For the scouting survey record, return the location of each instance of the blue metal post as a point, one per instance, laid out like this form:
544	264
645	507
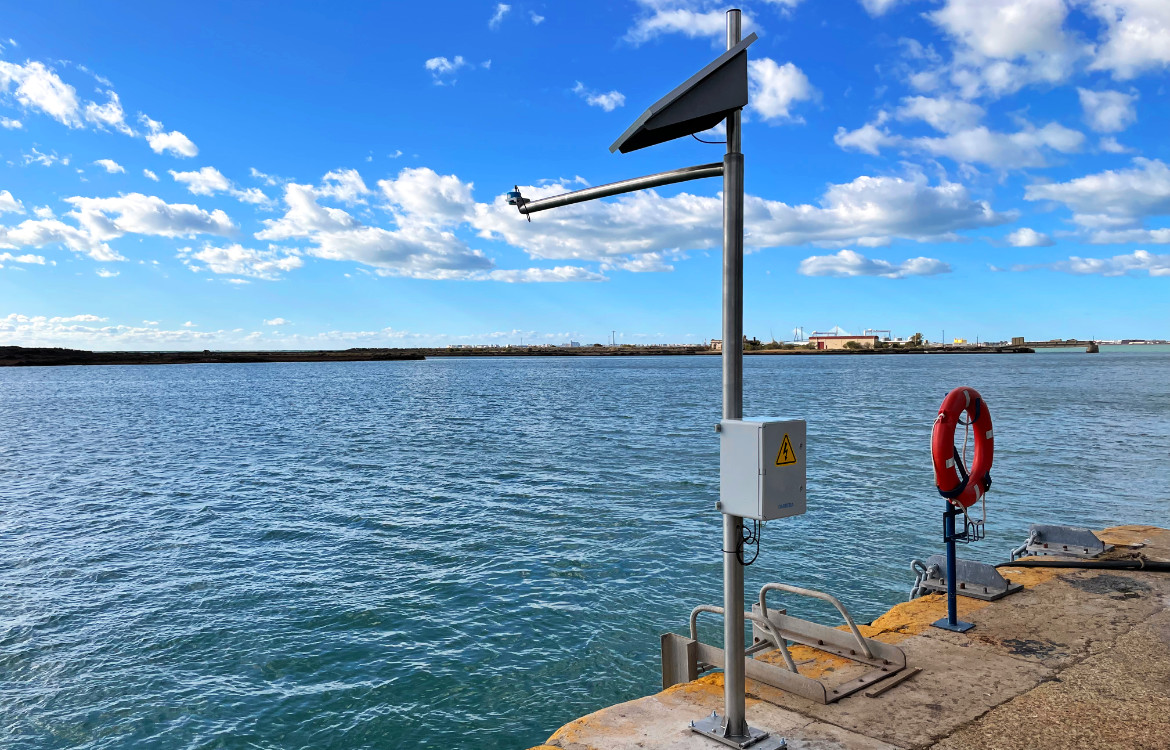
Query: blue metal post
952	621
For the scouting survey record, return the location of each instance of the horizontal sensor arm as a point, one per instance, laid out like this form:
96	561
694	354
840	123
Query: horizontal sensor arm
617	188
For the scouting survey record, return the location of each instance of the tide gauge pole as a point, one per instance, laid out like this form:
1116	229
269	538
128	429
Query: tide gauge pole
734	687
715	94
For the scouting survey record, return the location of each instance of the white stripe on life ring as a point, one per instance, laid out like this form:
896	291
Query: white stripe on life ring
989	434
950	463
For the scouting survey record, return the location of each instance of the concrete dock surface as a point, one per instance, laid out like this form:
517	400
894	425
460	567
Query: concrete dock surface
1079	659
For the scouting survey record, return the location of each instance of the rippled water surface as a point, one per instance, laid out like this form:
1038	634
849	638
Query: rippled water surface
471	552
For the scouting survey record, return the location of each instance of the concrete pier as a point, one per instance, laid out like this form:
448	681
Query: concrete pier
1079	659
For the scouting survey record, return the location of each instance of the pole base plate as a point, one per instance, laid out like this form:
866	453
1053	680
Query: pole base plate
958	627
756	739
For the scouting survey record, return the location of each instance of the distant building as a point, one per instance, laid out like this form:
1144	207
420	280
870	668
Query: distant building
825	341
1017	340
717	344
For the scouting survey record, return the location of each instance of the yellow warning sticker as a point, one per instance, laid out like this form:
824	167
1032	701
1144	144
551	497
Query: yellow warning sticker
786	456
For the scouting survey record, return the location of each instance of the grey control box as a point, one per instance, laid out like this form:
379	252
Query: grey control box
762	468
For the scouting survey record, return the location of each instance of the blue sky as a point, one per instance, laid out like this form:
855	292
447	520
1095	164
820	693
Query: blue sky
311	175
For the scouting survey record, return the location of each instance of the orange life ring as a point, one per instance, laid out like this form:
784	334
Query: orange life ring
950	475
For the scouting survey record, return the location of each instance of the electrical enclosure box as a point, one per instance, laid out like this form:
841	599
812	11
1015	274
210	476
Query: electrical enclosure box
762	468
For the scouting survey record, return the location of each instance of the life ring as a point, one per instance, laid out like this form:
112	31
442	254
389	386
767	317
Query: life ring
950	475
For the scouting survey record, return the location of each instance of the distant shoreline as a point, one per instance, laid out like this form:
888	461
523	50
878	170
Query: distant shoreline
16	356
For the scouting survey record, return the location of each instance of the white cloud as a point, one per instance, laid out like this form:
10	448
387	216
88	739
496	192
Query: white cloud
39	88
111	166
305	216
277	322
879	7
45	160
36	87
684	17
543	275
106	274
10	205
102	219
1025	148
775	87
252	195
93	332
944	114
109	114
976	145
236	260
150	175
190	324
80	331
655	262
1130	236
43	232
851	263
28	259
608	101
84	318
868	210
135	213
1025	237
1136	38
345	185
1108	111
267	179
1119	265
426	207
536	18
174	142
1002	46
498	17
442	68
1004	29
869	138
1113	199
1109	145
420	247
207	181
430	198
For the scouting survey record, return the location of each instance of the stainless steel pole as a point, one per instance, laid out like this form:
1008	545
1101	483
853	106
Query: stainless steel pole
735	718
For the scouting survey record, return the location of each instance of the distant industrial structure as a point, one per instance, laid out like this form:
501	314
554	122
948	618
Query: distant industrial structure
837	341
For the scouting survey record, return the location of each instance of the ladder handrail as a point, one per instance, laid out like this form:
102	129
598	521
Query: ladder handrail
861	644
780	643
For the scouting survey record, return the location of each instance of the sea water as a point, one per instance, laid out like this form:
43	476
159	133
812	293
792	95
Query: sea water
471	552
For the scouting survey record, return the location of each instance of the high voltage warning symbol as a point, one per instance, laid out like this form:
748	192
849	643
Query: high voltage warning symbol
785	457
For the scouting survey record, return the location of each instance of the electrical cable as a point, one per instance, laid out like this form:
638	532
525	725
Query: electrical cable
747	538
700	140
1141	564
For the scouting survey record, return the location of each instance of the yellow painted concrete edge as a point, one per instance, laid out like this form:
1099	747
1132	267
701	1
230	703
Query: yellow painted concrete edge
901	621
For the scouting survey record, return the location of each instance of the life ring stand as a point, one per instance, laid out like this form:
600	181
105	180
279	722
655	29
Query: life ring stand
959	486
